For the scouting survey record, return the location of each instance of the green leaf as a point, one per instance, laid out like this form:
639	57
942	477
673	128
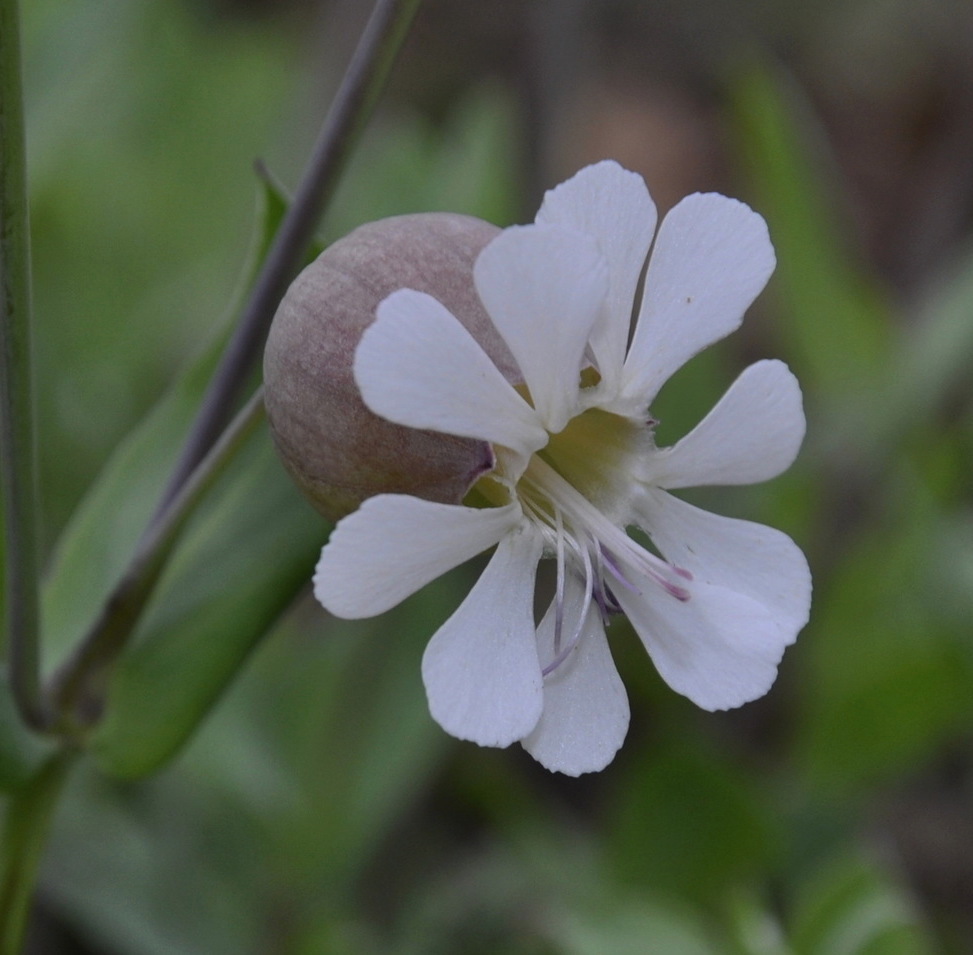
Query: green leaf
754	929
295	797
99	541
376	764
927	374
690	823
887	676
277	201
139	229
96	546
936	355
133	893
634	927
332	714
23	832
852	908
834	324
246	554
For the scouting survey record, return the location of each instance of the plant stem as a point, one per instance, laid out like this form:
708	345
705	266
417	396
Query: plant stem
76	693
24	833
359	91
18	454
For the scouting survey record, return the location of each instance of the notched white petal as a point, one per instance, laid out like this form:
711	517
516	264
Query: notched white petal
752	434
394	544
586	711
711	259
481	670
544	287
719	648
760	562
612	205
418	366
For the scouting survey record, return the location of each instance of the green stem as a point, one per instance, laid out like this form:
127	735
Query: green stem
25	828
18	455
77	691
360	89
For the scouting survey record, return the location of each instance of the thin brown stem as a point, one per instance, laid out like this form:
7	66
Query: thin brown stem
359	91
77	690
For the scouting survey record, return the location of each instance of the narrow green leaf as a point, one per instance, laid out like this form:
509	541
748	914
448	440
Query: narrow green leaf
22	839
245	561
377	763
634	928
329	713
101	537
246	554
852	908
937	354
359	90
277	200
883	634
753	928
99	541
116	871
834	324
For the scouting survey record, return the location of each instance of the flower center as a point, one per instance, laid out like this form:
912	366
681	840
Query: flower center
578	491
597	454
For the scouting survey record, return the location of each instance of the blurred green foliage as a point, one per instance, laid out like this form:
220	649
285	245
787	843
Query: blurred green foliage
318	809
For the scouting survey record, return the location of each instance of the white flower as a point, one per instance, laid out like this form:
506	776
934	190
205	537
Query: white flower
576	464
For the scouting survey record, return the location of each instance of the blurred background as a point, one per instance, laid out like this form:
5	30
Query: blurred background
319	809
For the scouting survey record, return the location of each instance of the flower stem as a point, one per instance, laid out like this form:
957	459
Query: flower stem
18	455
24	834
356	98
77	691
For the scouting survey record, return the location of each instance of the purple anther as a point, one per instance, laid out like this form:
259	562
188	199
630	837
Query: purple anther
674	590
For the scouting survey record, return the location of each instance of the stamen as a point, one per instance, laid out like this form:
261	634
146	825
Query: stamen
608	560
589	587
559	591
680	593
609	603
601	598
561	656
569	521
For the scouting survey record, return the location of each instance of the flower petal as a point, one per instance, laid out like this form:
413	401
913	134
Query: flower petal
394	544
760	562
586	710
752	434
718	648
613	205
711	259
418	366
481	671
544	287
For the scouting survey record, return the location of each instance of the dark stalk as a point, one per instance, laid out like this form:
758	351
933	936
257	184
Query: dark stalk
76	693
359	91
18	452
